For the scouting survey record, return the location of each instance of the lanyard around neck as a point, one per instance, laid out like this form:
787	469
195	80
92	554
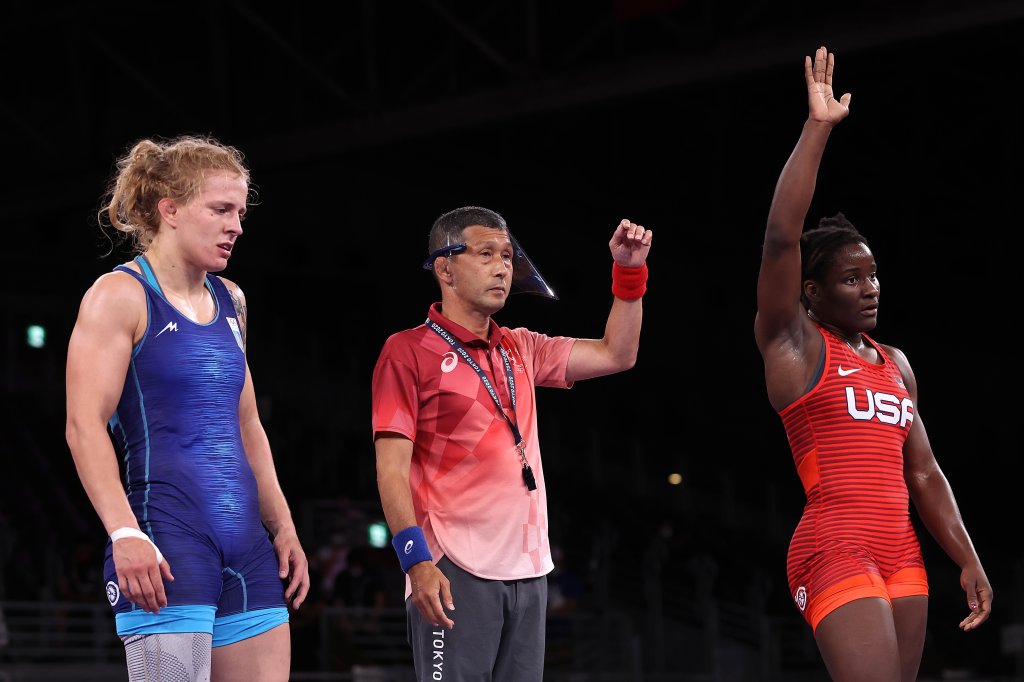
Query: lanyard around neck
510	377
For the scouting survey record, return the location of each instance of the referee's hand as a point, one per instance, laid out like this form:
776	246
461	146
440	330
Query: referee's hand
431	589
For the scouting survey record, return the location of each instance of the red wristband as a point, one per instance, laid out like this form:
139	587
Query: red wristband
629	284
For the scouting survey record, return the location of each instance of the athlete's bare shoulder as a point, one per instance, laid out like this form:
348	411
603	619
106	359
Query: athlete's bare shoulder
238	299
897	355
903	364
116	287
115	301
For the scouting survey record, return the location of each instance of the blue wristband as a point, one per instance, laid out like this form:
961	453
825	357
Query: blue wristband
411	547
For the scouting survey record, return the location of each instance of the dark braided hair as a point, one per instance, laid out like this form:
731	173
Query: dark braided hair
819	245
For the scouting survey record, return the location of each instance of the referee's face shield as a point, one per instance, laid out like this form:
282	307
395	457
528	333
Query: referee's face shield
525	276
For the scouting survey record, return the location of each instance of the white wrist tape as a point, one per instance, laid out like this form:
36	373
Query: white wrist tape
127	532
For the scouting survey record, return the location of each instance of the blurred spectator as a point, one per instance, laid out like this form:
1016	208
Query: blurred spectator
360	584
359	595
565	584
6	537
308	651
79	578
333	561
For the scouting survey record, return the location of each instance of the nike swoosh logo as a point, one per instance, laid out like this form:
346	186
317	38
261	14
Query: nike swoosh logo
848	372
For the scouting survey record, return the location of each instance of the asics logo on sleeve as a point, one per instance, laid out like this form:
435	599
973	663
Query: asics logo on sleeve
173	326
848	372
408	547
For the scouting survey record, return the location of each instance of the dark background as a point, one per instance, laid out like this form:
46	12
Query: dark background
363	122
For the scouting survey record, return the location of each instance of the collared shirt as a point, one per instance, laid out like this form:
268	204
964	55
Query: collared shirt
466	475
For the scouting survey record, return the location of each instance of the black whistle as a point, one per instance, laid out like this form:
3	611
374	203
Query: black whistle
531	483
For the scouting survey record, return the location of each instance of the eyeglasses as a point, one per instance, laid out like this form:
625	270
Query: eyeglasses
445	251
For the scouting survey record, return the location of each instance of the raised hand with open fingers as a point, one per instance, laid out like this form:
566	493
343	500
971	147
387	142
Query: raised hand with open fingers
821	101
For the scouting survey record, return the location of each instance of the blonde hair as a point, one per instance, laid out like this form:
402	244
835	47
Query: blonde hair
153	170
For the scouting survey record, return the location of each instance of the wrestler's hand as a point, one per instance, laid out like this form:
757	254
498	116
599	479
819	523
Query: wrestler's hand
821	102
630	244
979	596
430	588
139	576
292	566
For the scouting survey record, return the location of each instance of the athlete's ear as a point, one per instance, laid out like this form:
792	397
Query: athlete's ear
811	291
168	209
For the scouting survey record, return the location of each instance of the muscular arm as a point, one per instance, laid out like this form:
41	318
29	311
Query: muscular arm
616	351
274	511
934	501
781	328
111	314
779	312
98	355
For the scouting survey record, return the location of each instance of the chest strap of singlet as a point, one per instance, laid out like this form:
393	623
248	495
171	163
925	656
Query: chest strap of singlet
820	369
147	272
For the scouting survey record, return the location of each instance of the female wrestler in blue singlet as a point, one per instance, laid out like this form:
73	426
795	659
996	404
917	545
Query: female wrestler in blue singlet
157	355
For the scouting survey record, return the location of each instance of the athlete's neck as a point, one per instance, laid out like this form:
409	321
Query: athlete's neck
175	276
183	286
855	340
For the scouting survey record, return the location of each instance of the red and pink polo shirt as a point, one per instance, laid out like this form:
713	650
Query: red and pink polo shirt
466	474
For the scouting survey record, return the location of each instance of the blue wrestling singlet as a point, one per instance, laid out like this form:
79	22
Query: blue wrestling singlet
187	476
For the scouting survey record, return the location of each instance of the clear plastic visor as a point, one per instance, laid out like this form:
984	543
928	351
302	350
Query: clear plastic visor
525	276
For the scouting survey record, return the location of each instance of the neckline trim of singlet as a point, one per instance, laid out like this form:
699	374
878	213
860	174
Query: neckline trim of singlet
871	342
150	277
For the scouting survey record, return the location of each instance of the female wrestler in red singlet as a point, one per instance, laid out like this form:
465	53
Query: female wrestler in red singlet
859	445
